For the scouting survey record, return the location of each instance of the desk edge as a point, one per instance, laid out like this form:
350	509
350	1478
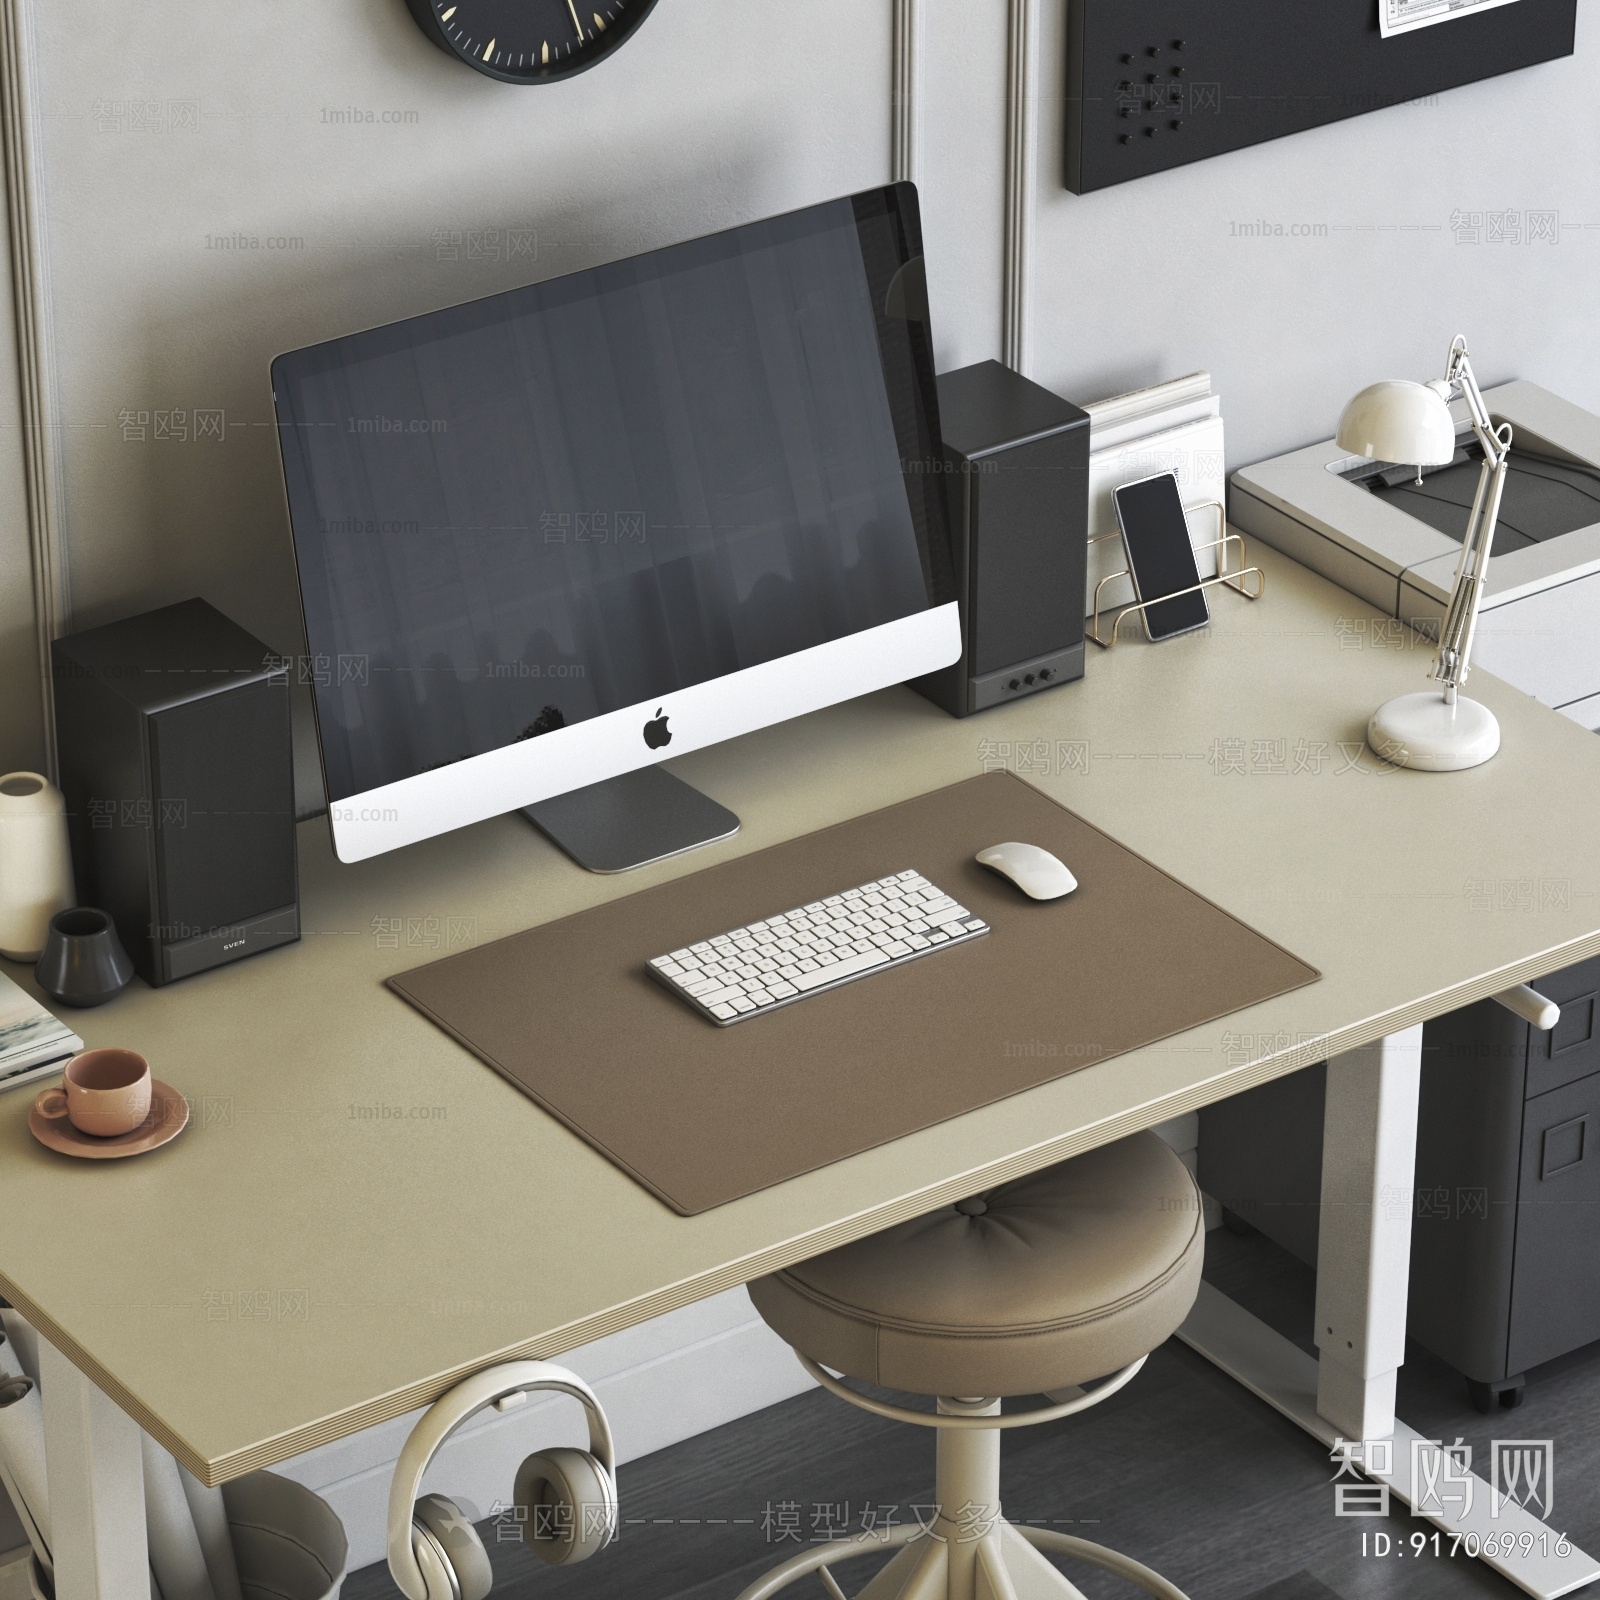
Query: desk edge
548	1346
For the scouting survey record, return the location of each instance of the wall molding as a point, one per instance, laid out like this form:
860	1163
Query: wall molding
30	287
903	91
1021	47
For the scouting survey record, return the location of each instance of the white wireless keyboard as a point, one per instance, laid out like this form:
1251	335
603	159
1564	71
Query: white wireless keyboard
769	964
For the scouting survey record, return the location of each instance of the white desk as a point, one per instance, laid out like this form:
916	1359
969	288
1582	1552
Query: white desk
1231	758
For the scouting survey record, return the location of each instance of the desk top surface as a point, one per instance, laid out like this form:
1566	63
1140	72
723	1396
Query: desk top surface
361	1212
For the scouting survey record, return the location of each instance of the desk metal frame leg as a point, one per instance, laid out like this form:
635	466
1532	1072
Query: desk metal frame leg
96	1481
1363	1271
1369	1161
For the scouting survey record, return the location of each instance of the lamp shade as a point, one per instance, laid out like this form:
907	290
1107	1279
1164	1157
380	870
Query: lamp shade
1399	421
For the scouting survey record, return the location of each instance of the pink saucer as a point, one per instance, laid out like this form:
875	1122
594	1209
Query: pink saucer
169	1115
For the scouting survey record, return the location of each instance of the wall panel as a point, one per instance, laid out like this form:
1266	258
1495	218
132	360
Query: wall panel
217	184
224	185
1302	270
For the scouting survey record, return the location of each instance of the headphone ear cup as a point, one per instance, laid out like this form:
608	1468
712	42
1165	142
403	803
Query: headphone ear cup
450	1527
568	1504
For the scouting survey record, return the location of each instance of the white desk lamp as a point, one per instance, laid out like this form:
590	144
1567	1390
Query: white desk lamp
1411	423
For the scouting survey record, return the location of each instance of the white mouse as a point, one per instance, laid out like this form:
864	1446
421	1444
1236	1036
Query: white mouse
1037	873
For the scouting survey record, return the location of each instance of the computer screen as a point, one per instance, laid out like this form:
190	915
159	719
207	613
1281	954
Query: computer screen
517	515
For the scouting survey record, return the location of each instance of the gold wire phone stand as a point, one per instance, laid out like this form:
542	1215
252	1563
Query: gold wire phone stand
1233	580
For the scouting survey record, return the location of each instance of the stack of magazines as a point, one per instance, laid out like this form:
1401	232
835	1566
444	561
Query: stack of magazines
33	1043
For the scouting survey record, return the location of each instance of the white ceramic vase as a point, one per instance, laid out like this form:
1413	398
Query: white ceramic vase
35	862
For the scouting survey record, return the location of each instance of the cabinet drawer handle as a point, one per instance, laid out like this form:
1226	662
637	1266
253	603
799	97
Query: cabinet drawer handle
1530	1005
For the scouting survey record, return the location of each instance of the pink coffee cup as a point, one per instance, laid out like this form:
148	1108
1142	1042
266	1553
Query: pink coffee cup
103	1092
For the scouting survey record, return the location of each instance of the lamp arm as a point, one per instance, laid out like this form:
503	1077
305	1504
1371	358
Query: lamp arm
1460	376
1448	663
1481	565
1453	662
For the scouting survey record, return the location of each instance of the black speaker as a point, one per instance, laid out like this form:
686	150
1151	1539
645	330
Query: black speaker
1016	463
173	735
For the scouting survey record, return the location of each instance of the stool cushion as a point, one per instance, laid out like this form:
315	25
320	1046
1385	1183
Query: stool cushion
1052	1280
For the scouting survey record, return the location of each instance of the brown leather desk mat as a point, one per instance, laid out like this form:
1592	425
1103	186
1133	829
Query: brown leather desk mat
701	1115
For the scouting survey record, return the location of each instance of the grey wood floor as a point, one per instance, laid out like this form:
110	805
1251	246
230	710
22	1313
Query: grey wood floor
1184	1470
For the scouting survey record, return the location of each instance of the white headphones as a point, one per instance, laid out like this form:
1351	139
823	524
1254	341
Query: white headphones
566	1499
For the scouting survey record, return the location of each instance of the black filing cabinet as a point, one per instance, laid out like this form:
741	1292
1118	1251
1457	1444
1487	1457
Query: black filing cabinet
1505	1243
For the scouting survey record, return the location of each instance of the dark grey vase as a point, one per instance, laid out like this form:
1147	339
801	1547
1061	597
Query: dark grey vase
83	963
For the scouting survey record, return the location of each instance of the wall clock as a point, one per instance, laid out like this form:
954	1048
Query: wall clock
529	41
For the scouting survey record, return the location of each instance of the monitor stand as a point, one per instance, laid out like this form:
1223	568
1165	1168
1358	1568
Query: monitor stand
631	821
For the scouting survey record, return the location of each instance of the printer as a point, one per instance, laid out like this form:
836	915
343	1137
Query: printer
1392	536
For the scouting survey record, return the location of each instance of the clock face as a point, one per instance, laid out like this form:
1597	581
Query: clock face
529	41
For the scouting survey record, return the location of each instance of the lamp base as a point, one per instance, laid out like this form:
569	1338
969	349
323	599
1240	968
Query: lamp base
1421	731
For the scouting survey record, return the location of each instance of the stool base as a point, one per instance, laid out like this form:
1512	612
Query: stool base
1004	1565
968	1552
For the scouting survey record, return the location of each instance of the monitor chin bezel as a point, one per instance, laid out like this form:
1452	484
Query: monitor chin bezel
496	782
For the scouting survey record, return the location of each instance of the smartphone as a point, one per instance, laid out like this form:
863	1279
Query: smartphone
1155	535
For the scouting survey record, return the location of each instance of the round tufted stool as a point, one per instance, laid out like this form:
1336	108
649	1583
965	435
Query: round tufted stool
1036	1287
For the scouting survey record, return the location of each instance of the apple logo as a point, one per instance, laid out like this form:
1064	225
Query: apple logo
656	732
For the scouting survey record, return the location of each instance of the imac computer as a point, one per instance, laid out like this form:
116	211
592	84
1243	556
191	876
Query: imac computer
548	539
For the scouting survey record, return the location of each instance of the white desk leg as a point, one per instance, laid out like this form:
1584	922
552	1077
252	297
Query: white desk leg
96	1479
1369	1160
1369	1154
